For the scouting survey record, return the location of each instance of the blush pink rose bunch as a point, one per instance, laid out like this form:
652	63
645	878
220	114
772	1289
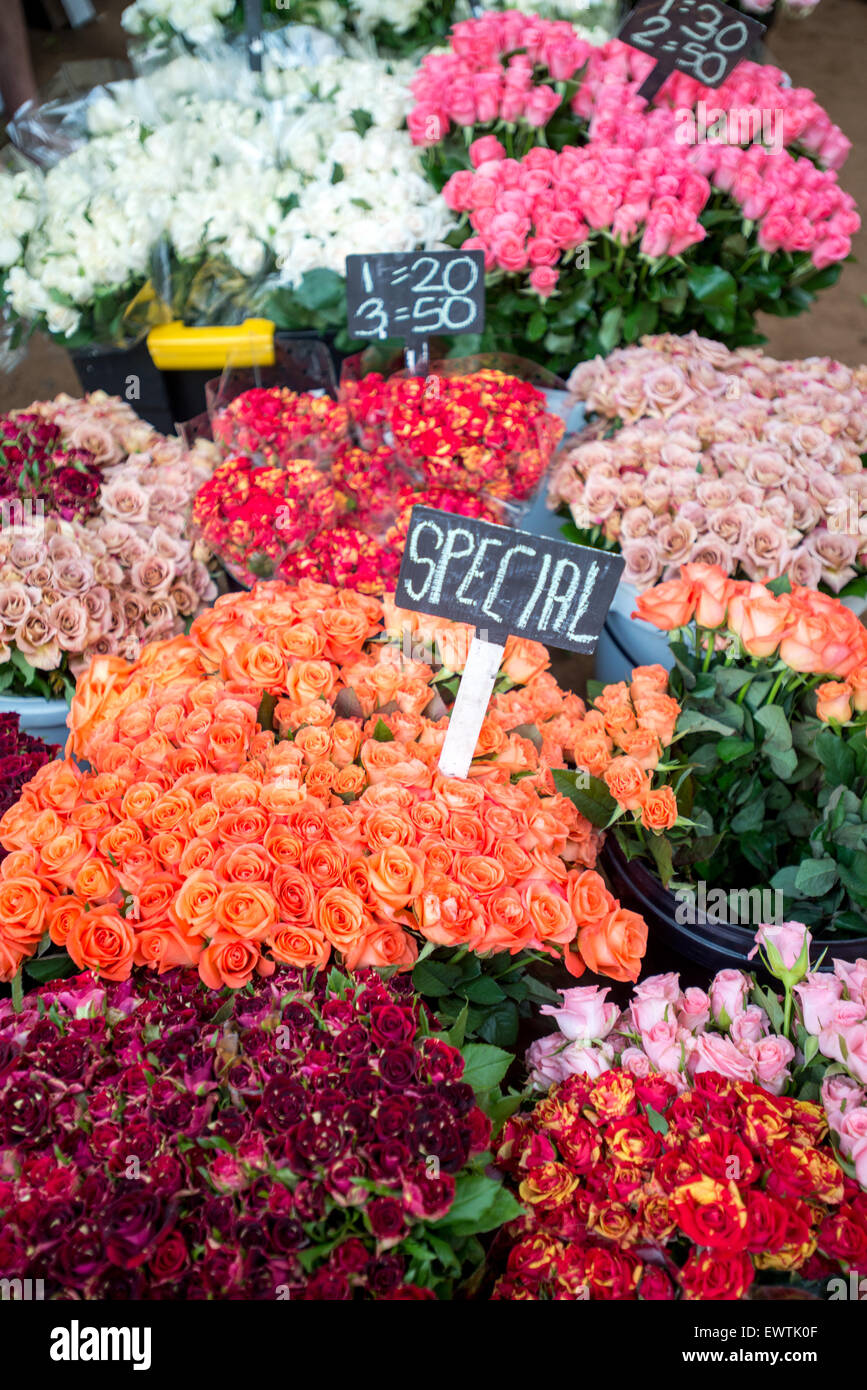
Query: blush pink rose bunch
71	590
723	458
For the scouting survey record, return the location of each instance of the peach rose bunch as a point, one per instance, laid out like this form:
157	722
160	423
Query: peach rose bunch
266	790
701	454
762	726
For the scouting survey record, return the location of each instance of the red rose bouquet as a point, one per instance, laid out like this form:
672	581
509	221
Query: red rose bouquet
323	490
300	1140
632	1190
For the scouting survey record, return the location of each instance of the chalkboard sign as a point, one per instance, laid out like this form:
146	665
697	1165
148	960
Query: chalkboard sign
415	295
704	38
506	581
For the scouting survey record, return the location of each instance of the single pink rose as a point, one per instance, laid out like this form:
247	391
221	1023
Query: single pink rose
817	993
832	1042
750	1026
693	1009
771	1057
666	1046
584	1014
728	996
714	1053
654	999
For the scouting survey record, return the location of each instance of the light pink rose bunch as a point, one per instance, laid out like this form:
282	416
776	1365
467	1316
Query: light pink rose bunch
722	457
737	1028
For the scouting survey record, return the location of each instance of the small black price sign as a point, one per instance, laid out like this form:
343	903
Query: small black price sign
253	30
704	38
504	582
415	295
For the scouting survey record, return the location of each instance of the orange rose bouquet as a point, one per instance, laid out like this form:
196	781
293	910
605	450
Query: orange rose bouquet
747	764
266	790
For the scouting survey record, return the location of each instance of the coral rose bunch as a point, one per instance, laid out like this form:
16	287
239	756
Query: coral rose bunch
766	771
302	1140
105	576
267	791
557	167
632	1189
323	490
699	454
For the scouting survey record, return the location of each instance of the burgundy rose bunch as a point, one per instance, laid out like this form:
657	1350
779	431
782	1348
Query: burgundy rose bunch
21	756
300	1140
633	1191
38	465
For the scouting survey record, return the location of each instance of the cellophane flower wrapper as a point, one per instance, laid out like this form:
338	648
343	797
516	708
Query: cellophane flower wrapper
461	441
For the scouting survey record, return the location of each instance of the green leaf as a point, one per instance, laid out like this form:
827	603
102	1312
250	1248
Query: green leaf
485	1066
811	1047
537	326
750	818
456	1034
783	585
609	328
382	733
435	977
594	801
692	721
481	1204
658	1123
484	990
320	289
778	733
731	748
44	968
717	293
836	757
500	1026
815	877
660	848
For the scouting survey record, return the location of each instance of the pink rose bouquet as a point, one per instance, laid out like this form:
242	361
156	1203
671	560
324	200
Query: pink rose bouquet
699	454
603	216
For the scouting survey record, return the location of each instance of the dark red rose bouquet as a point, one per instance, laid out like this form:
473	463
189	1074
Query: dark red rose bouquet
40	472
633	1191
301	1139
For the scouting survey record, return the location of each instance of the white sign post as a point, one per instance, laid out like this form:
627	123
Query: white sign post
470	707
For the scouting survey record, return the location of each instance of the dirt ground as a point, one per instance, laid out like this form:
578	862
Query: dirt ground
825	52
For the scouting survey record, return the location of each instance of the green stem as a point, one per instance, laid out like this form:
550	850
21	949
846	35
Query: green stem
18	990
787	1013
775	687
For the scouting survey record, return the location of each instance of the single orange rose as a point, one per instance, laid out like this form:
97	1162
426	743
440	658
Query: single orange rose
95	879
195	905
713	590
523	659
383	945
303	947
102	941
549	913
163	946
627	782
231	961
589	899
667	606
396	876
341	917
659	811
614	945
22	902
246	909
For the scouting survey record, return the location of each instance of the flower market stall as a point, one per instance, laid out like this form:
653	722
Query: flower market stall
356	944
